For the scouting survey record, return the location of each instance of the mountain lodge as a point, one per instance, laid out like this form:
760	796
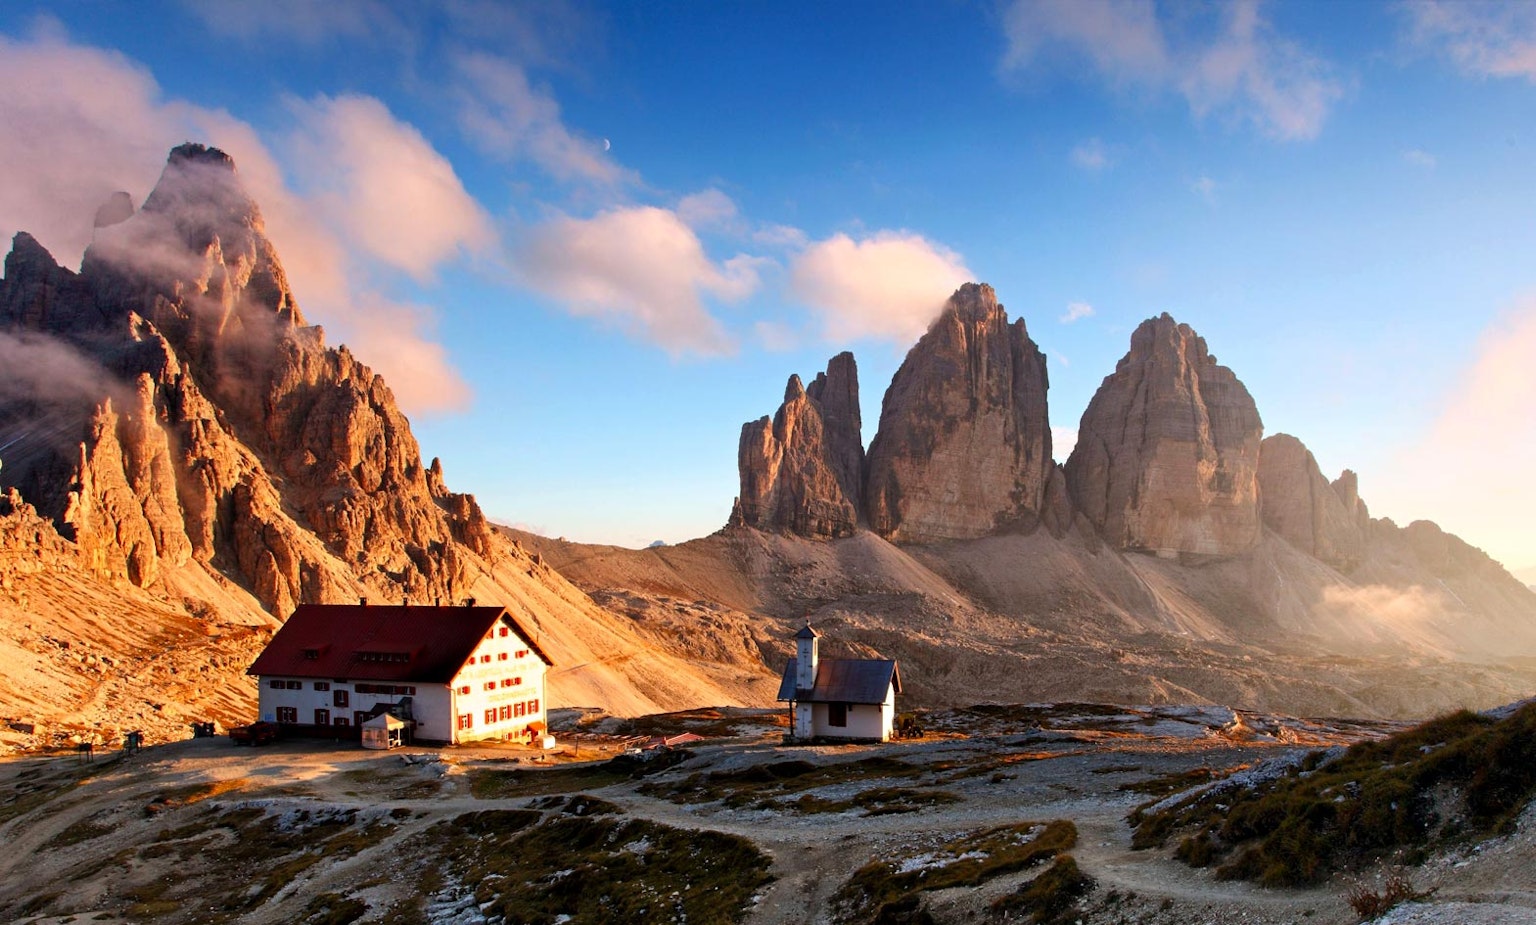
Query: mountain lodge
452	674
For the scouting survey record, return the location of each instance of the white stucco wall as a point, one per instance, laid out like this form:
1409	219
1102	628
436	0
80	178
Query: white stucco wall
865	720
436	708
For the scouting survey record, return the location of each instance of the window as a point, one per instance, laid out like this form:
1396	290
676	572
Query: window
501	656
322	717
311	654
341	721
294	685
340	698
503	631
466	721
287	714
275	684
359	717
490	717
485	659
504	713
506	682
533	707
521	709
322	685
837	714
464	689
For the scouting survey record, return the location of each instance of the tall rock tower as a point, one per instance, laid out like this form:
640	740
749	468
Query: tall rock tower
964	446
800	472
1167	453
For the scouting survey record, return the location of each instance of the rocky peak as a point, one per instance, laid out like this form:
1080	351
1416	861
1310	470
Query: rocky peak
1298	503
964	444
222	431
800	471
1168	450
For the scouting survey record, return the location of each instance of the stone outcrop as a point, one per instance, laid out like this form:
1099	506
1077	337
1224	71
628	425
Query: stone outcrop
964	445
1167	452
217	426
800	471
1298	503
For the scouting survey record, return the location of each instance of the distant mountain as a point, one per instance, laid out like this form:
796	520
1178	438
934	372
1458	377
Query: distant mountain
1177	554
185	460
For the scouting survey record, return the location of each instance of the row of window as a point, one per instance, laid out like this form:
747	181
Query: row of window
407	689
502	714
492	685
322	717
500	657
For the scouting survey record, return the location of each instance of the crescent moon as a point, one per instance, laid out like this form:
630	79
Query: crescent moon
606	145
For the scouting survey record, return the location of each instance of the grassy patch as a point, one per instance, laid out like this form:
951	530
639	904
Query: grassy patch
761	784
599	869
1050	898
1460	776
334	909
879	801
81	831
888	890
43	787
487	784
1174	782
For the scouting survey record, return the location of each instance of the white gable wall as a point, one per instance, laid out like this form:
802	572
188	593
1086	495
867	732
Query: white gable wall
498	692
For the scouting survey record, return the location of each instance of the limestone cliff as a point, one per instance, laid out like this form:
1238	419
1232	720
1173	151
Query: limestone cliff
1298	503
800	471
964	445
1167	452
212	393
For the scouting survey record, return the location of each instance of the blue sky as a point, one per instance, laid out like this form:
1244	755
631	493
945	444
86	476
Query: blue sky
585	243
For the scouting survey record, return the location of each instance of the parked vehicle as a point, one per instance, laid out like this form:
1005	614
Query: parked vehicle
259	733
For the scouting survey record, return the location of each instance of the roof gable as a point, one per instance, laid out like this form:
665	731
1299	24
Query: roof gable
843	680
382	642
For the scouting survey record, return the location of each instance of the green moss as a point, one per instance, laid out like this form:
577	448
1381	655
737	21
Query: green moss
884	888
1049	898
1376	801
600	869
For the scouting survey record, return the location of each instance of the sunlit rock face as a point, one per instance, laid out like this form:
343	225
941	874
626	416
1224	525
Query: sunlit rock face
1304	508
190	412
800	471
1167	452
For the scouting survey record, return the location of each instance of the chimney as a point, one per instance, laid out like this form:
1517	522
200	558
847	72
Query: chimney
469	602
362	602
805	657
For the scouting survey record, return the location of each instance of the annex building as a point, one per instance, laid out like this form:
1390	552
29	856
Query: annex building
839	698
452	674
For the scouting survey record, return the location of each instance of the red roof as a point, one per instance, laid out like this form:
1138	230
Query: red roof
372	642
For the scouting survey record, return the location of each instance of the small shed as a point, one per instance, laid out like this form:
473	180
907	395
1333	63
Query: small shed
383	731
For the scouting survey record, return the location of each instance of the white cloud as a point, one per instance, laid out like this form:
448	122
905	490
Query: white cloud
1485	429
642	267
890	284
83	122
503	113
775	337
782	236
302	20
708	210
1238	66
1486	39
1063	439
384	185
1091	155
1204	187
1076	311
1420	158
